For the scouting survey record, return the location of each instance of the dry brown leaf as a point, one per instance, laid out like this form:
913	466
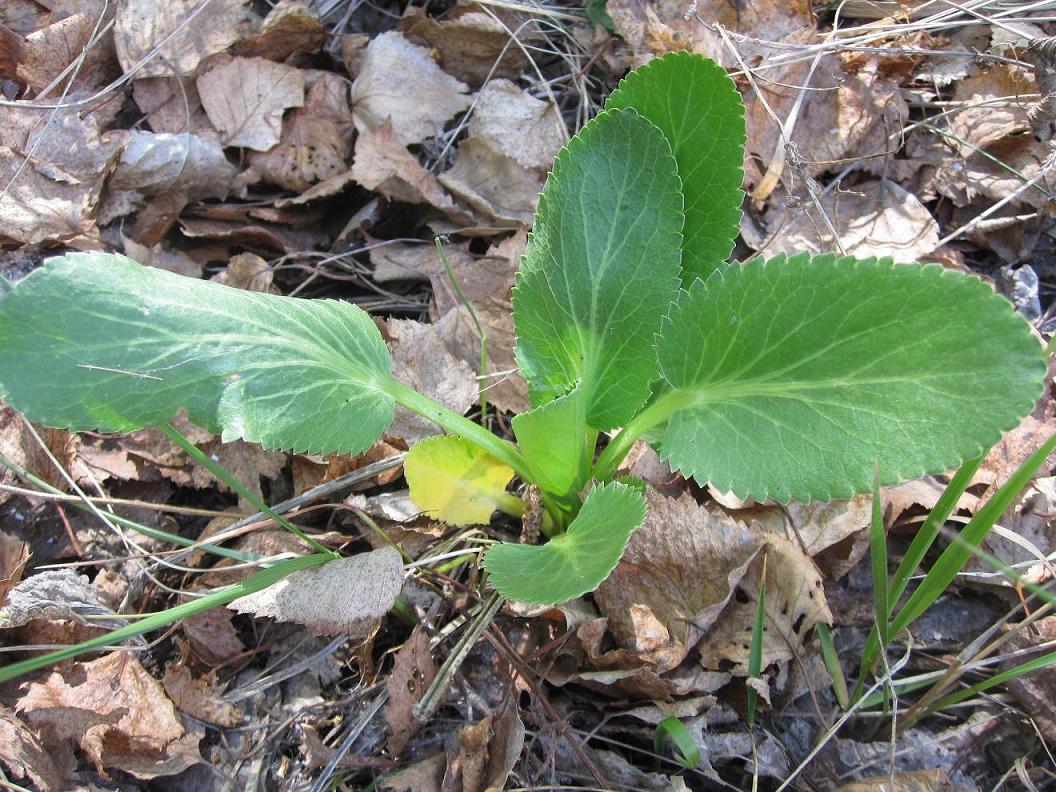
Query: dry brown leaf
140	733
246	97
993	107
421	360
24	756
425	775
471	44
795	602
383	164
494	184
316	139
402	262
348	595
162	257
199	697
196	30
657	602
50	50
212	636
400	83
412	673
18	444
248	271
877	218
162	163
514	123
14	554
12	51
171	104
1024	537
814	526
1036	692
289	28
937	780
1018	157
55	595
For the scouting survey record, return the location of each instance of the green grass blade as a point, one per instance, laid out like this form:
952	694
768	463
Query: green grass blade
1028	667
954	557
755	653
878	563
832	665
672	728
257	582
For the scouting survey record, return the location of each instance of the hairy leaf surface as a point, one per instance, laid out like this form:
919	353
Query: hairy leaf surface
574	562
455	481
698	109
793	377
600	268
552	438
96	341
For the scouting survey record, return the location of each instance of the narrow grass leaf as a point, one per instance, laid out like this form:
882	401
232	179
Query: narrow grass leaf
697	107
95	341
832	665
453	480
755	651
601	266
671	728
878	563
789	378
576	561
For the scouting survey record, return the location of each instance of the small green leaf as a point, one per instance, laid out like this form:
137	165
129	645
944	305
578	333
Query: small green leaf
600	268
697	107
96	341
790	378
574	562
671	728
455	481
552	439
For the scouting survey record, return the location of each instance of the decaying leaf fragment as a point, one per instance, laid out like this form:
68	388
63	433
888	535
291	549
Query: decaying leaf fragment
246	97
348	595
411	675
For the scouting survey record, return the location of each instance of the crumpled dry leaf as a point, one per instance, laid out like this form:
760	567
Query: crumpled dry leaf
399	82
795	602
171	104
18	444
412	673
316	138
348	595
978	175
918	781
14	554
487	751
656	600
136	727
157	164
1035	692
514	123
473	45
196	29
24	756
199	697
1025	536
248	271
991	107
289	28
421	360
47	53
494	184
425	775
816	526
246	97
55	595
877	218
162	257
212	636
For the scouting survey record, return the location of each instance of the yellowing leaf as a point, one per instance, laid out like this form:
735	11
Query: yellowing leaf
454	481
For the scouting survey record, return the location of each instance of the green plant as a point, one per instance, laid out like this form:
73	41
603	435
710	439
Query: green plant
794	377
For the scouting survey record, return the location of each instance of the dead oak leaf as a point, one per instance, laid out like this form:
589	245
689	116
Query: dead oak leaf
400	83
191	30
656	600
246	97
413	672
348	595
140	731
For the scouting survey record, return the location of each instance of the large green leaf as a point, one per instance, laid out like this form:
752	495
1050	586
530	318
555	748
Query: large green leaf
96	341
600	268
574	562
792	378
552	438
697	107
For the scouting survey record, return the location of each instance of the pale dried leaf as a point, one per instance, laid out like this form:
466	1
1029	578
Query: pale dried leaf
999	172
878	218
348	595
421	360
43	204
992	107
425	775
289	28
936	780
212	635
316	139
494	184
400	83
246	97
48	51
196	29
162	257
656	600
412	673
22	753
171	104
402	262
795	602
199	697
815	526
514	123
55	595
142	733
471	45
156	164
18	444
248	271
14	554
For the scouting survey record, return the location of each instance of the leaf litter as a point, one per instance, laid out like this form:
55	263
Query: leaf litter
302	151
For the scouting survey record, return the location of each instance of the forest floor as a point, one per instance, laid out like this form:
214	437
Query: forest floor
316	149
